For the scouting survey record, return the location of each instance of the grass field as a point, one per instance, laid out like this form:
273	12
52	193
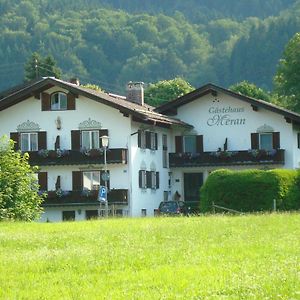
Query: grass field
214	257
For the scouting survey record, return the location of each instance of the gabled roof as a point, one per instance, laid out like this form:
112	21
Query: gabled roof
170	107
140	113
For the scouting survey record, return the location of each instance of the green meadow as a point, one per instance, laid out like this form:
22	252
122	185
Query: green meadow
209	257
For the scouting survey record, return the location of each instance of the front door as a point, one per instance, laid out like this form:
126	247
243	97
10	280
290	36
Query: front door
192	184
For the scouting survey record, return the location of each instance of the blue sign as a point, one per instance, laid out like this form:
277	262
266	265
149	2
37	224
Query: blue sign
102	194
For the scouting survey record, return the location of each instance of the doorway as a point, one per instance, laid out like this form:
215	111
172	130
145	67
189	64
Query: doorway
192	184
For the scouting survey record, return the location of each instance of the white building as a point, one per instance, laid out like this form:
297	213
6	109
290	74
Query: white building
152	154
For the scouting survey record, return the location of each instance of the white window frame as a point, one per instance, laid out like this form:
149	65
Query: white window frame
259	140
90	138
59	104
90	175
30	136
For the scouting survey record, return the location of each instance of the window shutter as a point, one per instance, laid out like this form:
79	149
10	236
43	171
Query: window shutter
46	105
199	143
178	144
148	179
148	139
77	180
156	141
157	180
276	140
70	101
102	182
139	138
75	140
140	179
42	140
15	136
43	181
254	141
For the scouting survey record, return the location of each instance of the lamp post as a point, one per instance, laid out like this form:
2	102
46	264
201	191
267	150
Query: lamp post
104	140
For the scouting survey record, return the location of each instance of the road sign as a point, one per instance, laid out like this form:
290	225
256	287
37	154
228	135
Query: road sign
102	194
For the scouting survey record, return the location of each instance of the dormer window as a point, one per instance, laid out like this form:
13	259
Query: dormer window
59	101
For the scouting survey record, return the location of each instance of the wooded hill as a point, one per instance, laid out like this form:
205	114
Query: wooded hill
110	42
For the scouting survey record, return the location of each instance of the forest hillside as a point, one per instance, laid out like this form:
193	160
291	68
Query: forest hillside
110	42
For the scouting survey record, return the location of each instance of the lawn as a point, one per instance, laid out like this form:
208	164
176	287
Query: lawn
211	257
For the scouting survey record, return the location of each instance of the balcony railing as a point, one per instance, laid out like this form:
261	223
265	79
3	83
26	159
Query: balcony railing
68	198
225	158
72	157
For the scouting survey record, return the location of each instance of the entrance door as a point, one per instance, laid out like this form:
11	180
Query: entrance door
192	184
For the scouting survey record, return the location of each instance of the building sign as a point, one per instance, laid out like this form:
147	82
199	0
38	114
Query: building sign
225	116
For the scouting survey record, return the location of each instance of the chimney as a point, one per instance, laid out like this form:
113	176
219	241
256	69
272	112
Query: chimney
75	80
135	92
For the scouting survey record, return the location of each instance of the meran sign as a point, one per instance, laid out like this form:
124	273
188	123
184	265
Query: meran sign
225	116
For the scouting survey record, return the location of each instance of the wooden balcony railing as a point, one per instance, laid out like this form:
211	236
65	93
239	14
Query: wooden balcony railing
72	157
68	198
225	158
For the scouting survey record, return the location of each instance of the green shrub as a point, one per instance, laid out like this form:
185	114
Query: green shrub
251	190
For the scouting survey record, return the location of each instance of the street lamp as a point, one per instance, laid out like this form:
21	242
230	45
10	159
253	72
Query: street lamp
104	140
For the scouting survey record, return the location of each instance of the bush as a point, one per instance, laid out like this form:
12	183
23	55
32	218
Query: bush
19	198
251	190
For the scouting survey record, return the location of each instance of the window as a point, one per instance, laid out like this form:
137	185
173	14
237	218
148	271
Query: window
90	139
29	141
144	212
298	140
68	215
91	214
189	144
147	140
142	139
58	101
91	180
165	150
166	195
266	141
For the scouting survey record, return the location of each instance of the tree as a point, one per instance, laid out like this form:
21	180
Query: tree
163	91
38	66
251	90
19	198
287	78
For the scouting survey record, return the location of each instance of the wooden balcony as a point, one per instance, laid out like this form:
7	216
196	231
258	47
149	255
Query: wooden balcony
227	158
81	198
72	157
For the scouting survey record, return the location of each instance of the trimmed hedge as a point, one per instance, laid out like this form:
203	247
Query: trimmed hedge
251	190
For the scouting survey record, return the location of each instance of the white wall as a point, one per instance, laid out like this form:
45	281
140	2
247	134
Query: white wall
147	198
